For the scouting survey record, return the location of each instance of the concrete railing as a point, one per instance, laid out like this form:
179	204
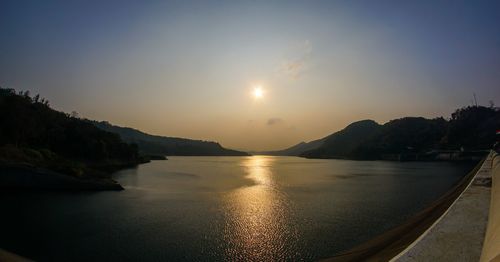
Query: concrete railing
491	246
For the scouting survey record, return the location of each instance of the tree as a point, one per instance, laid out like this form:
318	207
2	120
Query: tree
74	114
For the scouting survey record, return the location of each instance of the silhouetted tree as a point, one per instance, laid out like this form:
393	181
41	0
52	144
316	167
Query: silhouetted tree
27	123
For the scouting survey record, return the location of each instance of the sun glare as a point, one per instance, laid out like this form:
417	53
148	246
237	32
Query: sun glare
258	92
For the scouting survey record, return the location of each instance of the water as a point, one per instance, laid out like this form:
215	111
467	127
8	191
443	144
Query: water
259	208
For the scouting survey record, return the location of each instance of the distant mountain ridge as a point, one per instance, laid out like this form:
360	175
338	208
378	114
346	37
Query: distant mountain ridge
340	144
344	137
170	146
295	150
470	128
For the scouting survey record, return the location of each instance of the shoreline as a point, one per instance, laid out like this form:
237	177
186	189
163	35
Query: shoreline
387	245
23	177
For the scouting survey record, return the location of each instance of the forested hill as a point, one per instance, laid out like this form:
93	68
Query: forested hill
295	150
468	129
170	146
337	144
33	134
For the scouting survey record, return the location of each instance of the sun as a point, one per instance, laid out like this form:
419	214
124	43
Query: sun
258	92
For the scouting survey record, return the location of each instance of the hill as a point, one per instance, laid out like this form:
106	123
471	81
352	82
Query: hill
409	135
472	128
297	149
469	129
34	136
170	146
343	142
333	145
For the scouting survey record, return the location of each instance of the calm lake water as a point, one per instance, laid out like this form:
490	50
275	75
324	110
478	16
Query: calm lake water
258	208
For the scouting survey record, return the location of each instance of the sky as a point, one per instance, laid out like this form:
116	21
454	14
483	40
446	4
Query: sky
189	68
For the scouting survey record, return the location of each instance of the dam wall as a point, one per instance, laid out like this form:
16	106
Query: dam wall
491	246
459	234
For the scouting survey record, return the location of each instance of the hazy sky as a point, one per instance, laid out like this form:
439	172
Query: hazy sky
187	69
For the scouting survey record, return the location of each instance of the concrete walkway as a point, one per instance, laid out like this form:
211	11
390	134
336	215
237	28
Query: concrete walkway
458	235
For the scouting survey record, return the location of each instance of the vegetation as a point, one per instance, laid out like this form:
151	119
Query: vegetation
472	128
33	134
406	135
342	143
295	150
469	129
170	146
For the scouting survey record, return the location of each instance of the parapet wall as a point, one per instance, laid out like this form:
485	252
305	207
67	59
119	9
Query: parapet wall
491	246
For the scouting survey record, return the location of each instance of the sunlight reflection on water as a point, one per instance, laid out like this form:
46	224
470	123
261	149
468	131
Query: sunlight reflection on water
257	208
257	226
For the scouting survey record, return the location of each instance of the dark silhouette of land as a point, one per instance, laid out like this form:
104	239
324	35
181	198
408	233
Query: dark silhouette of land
465	136
170	146
46	149
37	143
297	149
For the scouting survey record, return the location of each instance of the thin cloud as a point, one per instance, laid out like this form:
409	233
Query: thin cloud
274	121
296	64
